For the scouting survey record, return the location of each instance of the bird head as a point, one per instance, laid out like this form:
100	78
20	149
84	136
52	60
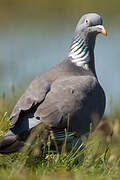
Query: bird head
88	27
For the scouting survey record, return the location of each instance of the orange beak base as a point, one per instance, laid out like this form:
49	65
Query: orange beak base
102	30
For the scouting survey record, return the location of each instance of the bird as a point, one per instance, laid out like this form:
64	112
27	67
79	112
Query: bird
68	97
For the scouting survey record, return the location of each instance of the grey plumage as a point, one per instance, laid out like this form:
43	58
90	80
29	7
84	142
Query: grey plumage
68	88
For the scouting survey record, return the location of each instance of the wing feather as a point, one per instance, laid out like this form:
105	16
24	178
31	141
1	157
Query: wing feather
34	95
66	96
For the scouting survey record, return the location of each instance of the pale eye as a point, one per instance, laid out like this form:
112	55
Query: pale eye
87	21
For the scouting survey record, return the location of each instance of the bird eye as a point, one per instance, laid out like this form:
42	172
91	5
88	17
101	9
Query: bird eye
87	21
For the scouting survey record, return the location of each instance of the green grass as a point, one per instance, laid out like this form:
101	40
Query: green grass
101	155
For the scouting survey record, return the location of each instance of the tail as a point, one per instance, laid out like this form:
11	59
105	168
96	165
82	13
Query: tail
15	139
12	143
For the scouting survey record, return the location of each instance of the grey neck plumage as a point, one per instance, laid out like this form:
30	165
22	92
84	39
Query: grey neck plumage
79	53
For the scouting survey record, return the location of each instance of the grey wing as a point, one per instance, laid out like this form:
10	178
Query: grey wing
66	96
33	96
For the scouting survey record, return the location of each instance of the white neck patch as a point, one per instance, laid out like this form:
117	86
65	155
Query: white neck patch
79	53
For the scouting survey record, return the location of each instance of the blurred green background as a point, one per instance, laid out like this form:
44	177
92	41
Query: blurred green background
36	34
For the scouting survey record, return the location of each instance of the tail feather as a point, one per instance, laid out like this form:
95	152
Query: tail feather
16	138
12	143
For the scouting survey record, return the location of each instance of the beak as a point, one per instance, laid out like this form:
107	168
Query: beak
101	29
